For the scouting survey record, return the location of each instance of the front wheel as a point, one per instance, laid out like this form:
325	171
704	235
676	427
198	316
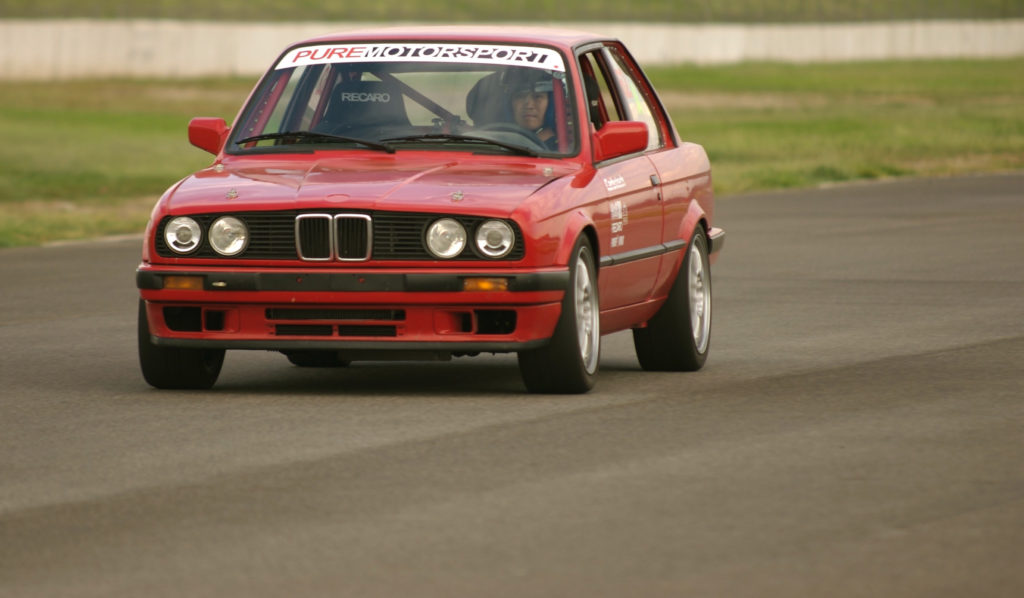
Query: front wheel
176	367
568	363
678	337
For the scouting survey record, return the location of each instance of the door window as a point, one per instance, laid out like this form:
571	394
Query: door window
602	103
634	98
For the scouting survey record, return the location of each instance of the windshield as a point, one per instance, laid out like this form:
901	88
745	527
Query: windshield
388	96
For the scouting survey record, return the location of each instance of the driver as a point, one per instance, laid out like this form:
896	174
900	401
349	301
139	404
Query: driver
530	94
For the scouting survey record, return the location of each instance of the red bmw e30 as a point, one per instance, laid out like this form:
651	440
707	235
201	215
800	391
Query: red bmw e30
436	192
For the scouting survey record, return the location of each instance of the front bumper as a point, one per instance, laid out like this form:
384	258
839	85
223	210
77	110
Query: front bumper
354	311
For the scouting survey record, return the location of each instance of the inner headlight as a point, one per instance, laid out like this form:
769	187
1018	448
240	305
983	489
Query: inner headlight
446	238
228	235
495	238
183	234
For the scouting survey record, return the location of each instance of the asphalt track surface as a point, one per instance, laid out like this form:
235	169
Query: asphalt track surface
858	431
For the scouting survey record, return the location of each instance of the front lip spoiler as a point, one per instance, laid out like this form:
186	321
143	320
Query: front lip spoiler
295	282
383	346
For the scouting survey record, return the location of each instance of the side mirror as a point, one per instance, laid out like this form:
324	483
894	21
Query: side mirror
618	138
208	133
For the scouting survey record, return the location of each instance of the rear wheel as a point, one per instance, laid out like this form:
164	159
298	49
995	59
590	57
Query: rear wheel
176	367
568	363
678	337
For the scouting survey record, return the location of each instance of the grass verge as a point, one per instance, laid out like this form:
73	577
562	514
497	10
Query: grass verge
746	11
771	126
89	158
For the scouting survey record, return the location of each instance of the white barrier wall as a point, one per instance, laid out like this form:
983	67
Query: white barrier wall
74	48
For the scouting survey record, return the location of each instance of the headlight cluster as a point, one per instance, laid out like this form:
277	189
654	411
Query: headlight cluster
228	235
446	238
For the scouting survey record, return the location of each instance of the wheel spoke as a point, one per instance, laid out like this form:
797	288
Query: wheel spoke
700	299
586	316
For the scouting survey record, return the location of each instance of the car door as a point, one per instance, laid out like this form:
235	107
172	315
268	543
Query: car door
681	168
630	226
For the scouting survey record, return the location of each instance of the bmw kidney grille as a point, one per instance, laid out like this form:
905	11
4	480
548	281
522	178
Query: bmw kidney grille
326	237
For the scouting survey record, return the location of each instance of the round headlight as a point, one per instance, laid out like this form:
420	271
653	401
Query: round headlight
495	238
446	238
228	235
183	234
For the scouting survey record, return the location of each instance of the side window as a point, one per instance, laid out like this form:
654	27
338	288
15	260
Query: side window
602	103
277	118
637	103
305	88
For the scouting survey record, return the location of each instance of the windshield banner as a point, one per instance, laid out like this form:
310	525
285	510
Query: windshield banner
528	56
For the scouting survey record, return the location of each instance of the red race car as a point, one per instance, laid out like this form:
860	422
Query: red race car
436	192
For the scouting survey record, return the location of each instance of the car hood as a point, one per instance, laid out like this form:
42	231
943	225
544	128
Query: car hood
364	183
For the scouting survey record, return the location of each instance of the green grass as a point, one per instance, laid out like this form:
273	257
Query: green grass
90	158
758	11
769	126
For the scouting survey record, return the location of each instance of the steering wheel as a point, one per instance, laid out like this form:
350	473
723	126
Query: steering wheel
505	127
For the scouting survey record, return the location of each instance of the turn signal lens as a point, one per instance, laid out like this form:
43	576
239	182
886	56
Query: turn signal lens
485	284
183	283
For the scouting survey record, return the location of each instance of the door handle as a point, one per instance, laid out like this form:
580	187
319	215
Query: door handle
656	183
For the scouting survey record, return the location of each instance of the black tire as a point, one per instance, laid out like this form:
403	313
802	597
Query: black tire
568	364
678	337
315	359
175	367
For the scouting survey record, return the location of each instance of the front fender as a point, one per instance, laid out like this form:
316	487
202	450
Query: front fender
694	215
577	223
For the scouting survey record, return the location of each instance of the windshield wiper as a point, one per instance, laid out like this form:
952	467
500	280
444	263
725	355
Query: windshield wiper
313	136
450	138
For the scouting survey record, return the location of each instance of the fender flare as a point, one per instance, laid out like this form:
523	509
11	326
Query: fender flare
578	223
695	215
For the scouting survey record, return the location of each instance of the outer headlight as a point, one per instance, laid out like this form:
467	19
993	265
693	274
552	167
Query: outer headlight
228	235
446	238
495	238
183	234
